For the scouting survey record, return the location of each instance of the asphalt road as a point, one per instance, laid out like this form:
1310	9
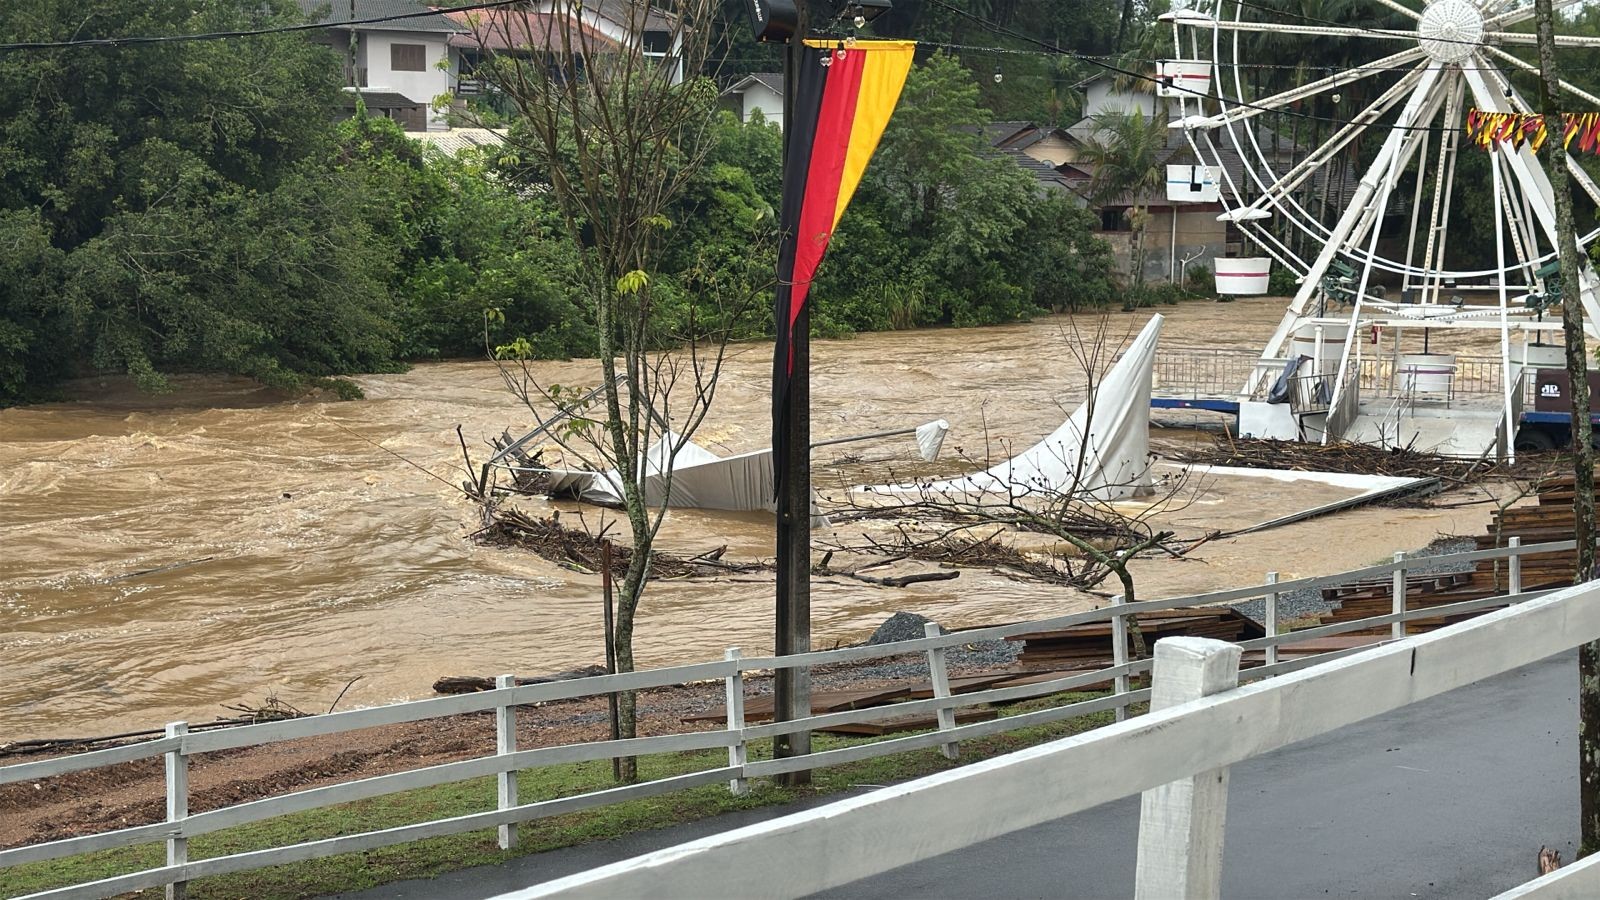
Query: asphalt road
1451	797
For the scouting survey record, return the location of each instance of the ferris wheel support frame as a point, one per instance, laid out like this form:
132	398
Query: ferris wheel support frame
1354	211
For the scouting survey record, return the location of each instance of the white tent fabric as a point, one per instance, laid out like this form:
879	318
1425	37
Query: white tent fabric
930	438
1101	450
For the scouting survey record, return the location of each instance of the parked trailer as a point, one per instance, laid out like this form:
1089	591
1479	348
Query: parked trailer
1549	424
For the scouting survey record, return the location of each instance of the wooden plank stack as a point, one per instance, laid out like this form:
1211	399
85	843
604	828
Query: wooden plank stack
1088	646
1550	518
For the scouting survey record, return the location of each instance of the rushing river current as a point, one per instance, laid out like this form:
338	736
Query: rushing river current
163	556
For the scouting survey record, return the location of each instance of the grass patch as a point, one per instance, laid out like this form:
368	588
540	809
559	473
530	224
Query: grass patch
427	858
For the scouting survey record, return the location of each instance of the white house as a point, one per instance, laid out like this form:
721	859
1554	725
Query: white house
400	65
761	92
628	23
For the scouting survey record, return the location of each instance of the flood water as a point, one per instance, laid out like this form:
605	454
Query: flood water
292	554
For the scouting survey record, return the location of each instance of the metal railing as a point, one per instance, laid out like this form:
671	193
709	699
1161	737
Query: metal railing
1195	372
1177	757
178	745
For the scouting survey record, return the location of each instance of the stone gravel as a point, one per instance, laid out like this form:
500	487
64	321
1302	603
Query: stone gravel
1307	603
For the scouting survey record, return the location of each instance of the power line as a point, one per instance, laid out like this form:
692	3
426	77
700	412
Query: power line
141	40
1140	76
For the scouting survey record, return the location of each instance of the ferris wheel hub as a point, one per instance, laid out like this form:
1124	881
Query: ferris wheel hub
1450	30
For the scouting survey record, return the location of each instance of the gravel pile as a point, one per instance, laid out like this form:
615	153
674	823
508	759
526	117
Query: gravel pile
1306	603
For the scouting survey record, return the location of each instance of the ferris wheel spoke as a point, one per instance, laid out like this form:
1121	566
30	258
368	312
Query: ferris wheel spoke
1384	34
1531	177
1521	104
1529	40
1350	131
1526	66
1400	8
1284	98
1523	14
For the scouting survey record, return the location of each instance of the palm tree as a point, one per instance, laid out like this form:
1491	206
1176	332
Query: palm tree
1125	151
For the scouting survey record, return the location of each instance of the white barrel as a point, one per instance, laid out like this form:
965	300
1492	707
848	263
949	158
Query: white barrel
1242	275
1193	184
1426	373
1183	78
1304	343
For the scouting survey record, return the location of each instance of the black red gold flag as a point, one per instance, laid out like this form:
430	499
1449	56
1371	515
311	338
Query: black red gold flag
838	116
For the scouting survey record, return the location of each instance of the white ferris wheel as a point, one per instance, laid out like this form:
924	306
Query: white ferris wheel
1422	83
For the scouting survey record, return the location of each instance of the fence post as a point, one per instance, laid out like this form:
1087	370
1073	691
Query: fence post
1398	629
940	676
1514	566
505	739
1271	615
1181	823
177	807
736	752
1119	653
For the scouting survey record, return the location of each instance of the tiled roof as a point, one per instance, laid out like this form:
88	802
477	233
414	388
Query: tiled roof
335	12
458	139
509	29
773	81
378	100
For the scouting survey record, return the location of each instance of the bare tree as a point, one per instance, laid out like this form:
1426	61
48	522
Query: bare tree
613	107
1081	511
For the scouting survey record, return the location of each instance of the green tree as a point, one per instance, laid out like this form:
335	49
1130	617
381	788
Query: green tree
183	190
1124	151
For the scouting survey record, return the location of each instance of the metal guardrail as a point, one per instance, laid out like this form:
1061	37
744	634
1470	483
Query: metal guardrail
1195	372
177	746
1177	756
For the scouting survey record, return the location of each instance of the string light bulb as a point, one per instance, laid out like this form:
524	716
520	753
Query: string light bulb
998	75
827	60
860	20
1336	97
840	52
850	41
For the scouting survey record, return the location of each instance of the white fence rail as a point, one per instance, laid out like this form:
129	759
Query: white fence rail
1164	755
178	744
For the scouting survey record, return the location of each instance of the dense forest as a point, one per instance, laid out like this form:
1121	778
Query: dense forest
194	206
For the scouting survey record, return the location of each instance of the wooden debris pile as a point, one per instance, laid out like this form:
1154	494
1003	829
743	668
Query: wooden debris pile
523	479
580	551
1342	457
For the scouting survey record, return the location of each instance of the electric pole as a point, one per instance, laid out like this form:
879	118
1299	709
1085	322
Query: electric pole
792	687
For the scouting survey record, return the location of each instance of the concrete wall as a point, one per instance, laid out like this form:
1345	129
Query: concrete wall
1198	232
419	86
1054	150
757	96
1100	97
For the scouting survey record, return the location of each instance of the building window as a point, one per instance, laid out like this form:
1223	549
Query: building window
408	57
657	42
1114	219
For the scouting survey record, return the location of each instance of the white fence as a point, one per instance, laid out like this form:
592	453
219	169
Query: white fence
178	745
1177	756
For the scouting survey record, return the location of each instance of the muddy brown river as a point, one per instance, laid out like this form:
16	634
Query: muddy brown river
163	556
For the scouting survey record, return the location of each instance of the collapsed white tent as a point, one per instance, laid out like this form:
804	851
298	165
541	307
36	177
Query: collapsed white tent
1102	450
703	480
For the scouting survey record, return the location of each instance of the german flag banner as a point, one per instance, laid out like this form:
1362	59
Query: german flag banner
839	113
1485	129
